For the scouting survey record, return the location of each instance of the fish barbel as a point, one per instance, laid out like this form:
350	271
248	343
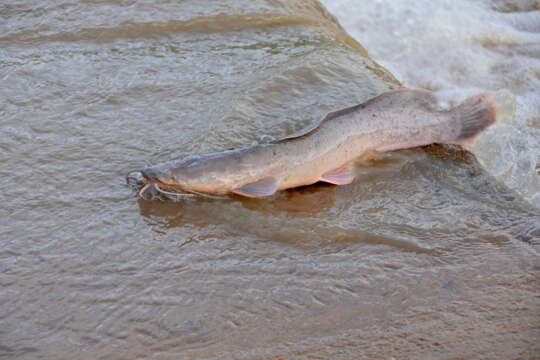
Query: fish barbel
396	119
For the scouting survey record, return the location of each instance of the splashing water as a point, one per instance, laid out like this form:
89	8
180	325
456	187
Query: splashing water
459	48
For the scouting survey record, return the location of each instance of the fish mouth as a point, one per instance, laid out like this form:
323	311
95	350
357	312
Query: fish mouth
155	186
152	181
150	176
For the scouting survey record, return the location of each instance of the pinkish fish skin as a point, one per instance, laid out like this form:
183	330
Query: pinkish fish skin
394	120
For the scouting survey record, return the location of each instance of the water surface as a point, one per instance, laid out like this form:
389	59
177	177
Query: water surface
426	255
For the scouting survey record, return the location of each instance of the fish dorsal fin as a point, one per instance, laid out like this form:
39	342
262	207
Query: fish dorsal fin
265	139
341	176
312	127
301	132
385	99
264	187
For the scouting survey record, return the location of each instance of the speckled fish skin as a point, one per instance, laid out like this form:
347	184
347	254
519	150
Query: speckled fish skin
394	120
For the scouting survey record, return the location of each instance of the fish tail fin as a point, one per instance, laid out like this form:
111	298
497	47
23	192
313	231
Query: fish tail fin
474	115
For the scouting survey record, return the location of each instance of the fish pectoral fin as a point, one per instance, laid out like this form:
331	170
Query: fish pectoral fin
341	176
264	187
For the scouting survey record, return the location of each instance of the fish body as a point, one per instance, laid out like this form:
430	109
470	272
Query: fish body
394	120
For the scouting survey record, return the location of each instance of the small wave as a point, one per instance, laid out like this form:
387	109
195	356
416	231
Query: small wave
202	25
129	29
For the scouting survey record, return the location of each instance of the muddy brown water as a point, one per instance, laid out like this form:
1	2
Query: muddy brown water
425	256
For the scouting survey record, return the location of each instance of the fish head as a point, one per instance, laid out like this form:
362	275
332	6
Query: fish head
163	174
190	174
215	173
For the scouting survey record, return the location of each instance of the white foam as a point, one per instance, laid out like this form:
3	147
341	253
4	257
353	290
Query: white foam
459	48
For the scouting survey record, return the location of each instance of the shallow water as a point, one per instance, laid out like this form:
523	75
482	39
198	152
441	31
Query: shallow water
426	255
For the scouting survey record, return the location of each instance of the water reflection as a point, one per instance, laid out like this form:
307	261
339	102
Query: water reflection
423	200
